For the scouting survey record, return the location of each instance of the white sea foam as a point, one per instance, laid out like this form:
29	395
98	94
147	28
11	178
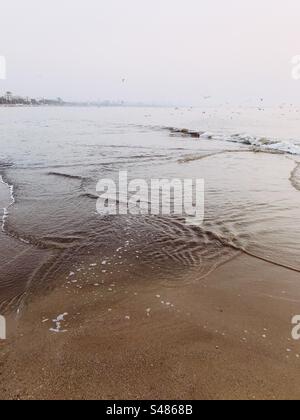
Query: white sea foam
260	143
58	321
12	202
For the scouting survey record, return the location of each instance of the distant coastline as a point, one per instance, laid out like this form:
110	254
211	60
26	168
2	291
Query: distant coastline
11	100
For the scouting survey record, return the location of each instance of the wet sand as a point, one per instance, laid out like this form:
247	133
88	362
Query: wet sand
227	336
177	310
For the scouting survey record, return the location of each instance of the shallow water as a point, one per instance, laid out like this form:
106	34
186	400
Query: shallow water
52	158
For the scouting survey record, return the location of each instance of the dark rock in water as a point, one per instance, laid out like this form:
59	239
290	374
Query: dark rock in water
195	135
186	133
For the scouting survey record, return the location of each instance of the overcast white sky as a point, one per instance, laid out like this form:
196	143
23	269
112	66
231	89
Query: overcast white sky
171	51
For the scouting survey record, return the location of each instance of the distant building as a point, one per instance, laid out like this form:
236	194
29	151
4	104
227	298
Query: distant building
9	99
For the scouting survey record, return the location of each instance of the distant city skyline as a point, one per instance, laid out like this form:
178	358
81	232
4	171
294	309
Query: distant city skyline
10	98
170	52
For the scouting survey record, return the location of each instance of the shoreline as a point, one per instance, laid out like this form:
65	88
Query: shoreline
149	341
146	308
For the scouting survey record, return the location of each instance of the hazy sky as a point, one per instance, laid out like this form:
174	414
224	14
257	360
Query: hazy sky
170	51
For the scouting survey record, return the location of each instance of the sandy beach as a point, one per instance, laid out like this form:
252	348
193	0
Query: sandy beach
228	337
148	306
149	203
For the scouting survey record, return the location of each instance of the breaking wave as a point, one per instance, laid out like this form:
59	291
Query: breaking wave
256	143
12	202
